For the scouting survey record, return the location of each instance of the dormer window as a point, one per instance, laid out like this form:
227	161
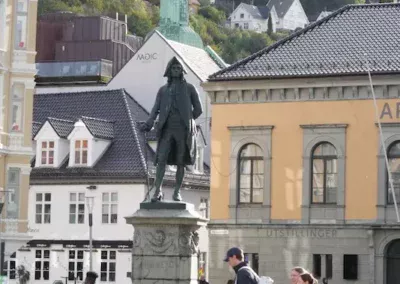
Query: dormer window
89	140
81	152
47	153
51	143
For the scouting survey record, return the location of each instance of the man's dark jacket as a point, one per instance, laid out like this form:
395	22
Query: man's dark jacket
245	275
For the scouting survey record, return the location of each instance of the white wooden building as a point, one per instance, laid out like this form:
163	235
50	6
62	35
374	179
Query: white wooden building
290	14
88	144
254	18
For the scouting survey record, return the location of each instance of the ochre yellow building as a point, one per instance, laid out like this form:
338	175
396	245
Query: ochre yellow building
17	71
298	174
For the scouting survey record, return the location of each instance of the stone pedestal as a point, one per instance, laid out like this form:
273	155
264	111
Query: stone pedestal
165	243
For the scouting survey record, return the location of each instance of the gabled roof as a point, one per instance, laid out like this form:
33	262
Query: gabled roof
257	12
111	114
35	128
99	128
123	159
333	46
197	59
281	6
62	127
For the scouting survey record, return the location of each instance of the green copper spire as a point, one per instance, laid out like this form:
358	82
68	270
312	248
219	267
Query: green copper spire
174	23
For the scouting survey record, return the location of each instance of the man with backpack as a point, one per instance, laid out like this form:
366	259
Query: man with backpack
244	273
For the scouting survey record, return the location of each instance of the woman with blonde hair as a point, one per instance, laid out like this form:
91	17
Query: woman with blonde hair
295	274
307	278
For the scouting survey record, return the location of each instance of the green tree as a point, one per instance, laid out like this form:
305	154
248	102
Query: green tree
212	14
49	6
270	28
23	275
204	3
139	23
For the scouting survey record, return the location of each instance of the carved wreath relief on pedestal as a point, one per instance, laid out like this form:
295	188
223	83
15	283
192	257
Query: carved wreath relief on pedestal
159	241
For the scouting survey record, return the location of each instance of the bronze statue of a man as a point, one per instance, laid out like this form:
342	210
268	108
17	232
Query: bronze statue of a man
177	106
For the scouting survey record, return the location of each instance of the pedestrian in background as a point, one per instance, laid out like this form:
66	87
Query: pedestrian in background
295	274
244	273
307	278
91	277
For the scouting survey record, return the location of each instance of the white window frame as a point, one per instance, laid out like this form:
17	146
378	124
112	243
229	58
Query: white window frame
42	259
80	150
204	207
246	26
202	263
2	97
79	202
18	101
72	273
198	166
43	203
3	24
7	268
13	186
47	150
106	208
23	14
108	261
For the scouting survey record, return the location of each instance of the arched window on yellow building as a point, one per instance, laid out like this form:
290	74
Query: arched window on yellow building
394	168
251	174
324	174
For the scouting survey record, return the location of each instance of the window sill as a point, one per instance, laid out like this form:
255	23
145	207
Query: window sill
323	205
249	205
79	166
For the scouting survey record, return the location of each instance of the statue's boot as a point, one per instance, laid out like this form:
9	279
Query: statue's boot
177	196
158	196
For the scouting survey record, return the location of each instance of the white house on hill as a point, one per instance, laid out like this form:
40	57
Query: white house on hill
254	18
143	74
290	14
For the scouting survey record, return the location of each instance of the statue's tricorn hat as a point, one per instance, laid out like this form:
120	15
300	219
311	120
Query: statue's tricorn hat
173	61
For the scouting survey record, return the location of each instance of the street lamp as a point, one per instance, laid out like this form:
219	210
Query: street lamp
89	204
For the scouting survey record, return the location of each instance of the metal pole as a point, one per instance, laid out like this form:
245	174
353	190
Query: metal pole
91	241
89	203
383	142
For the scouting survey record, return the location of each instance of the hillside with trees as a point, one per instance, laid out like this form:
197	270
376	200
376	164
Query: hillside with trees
143	17
230	44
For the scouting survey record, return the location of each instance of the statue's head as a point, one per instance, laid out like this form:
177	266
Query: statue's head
175	69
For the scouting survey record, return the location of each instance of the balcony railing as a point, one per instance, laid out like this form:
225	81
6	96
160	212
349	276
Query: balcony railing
16	141
14	228
76	69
